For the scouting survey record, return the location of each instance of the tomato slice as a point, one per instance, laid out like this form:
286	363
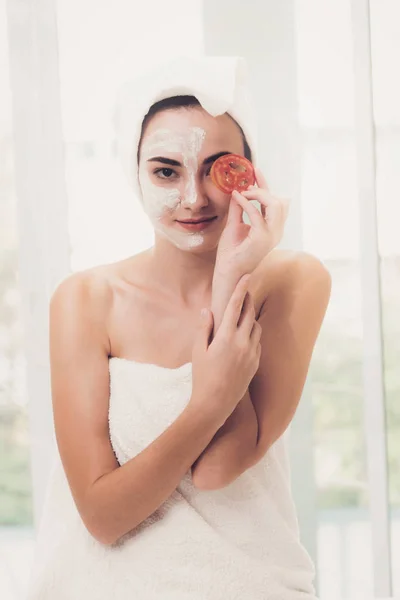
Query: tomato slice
232	172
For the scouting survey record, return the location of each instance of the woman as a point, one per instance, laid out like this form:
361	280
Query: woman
174	479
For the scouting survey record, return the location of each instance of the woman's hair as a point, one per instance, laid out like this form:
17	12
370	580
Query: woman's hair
179	102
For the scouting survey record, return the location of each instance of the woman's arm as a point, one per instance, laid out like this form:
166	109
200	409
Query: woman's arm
291	319
225	457
111	499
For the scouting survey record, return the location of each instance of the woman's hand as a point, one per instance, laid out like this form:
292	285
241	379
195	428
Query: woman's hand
224	367
242	247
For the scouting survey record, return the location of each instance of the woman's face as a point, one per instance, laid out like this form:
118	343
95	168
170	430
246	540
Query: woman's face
177	150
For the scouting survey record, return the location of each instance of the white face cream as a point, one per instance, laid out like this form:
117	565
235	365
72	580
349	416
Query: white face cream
159	200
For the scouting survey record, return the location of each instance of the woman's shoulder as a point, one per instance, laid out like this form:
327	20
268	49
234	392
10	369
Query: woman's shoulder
283	266
87	283
100	281
88	291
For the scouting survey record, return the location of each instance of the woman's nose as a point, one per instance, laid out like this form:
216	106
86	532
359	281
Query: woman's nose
194	195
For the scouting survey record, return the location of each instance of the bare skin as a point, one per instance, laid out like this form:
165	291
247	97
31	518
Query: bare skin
137	303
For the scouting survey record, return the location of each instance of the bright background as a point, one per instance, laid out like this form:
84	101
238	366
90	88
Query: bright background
64	206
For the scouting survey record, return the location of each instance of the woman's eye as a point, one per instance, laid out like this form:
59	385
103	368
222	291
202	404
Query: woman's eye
166	173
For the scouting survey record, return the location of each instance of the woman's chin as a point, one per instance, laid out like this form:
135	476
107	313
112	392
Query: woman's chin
196	242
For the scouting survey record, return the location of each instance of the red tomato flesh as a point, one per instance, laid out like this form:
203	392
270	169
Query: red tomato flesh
232	172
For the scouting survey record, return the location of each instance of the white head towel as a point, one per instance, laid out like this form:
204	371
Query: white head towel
220	84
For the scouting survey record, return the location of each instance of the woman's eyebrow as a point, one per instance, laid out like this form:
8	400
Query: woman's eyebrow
166	161
176	163
213	157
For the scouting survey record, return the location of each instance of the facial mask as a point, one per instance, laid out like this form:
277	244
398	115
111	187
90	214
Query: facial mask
161	201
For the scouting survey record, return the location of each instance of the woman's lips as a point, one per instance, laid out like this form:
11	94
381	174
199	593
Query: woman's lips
197	226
